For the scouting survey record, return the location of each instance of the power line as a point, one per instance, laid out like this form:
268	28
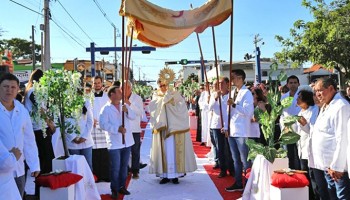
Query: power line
67	33
74	21
103	13
26	7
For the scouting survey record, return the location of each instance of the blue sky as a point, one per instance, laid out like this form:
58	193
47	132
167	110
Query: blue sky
264	17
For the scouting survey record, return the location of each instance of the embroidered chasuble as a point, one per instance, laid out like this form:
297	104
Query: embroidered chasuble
170	121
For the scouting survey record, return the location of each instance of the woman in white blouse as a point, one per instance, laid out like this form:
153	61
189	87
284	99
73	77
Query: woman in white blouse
81	144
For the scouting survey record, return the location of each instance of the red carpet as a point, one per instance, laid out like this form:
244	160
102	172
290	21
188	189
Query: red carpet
220	183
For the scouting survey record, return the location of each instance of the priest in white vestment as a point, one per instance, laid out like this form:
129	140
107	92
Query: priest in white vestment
204	106
172	152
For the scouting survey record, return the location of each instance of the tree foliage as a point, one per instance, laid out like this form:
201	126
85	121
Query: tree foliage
325	41
189	87
21	49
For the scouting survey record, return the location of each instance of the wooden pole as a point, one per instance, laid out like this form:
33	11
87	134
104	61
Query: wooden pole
202	63
231	63
129	59
217	74
123	72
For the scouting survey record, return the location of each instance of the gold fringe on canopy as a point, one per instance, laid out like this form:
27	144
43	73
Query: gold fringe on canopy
160	27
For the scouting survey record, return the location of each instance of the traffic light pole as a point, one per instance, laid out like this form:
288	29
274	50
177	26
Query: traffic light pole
94	49
257	60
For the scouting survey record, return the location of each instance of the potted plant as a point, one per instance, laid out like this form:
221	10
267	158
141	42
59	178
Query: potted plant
59	96
267	121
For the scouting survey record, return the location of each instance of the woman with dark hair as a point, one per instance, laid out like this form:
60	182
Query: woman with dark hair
259	103
308	111
46	153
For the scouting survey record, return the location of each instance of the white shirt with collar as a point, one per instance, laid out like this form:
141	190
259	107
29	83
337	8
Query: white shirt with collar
86	124
292	110
329	137
16	130
214	105
137	106
8	162
110	120
241	115
304	131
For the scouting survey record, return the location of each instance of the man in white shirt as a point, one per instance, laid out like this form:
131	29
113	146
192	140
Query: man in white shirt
219	123
242	110
8	162
293	110
100	158
16	129
136	104
119	138
329	142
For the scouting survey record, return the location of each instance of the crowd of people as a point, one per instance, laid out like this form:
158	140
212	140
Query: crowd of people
323	127
110	133
23	143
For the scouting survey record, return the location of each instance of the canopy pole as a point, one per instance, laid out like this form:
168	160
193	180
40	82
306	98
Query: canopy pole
231	63
130	47
217	74
123	73
202	63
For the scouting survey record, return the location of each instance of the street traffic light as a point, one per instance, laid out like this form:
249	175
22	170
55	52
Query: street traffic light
183	61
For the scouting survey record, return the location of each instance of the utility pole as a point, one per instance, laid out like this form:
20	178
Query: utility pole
139	74
257	59
115	53
42	50
47	17
33	48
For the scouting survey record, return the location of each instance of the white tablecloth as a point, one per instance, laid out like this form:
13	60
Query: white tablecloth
86	188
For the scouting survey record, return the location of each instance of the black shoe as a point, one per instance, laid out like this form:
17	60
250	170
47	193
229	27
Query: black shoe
175	181
234	188
164	180
222	174
135	175
216	166
123	190
142	165
114	195
183	175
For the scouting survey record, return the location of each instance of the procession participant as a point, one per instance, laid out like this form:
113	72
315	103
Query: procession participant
81	143
8	162
119	138
292	110
329	141
172	152
17	130
216	126
136	104
197	109
308	111
204	107
318	180
242	110
44	144
100	157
